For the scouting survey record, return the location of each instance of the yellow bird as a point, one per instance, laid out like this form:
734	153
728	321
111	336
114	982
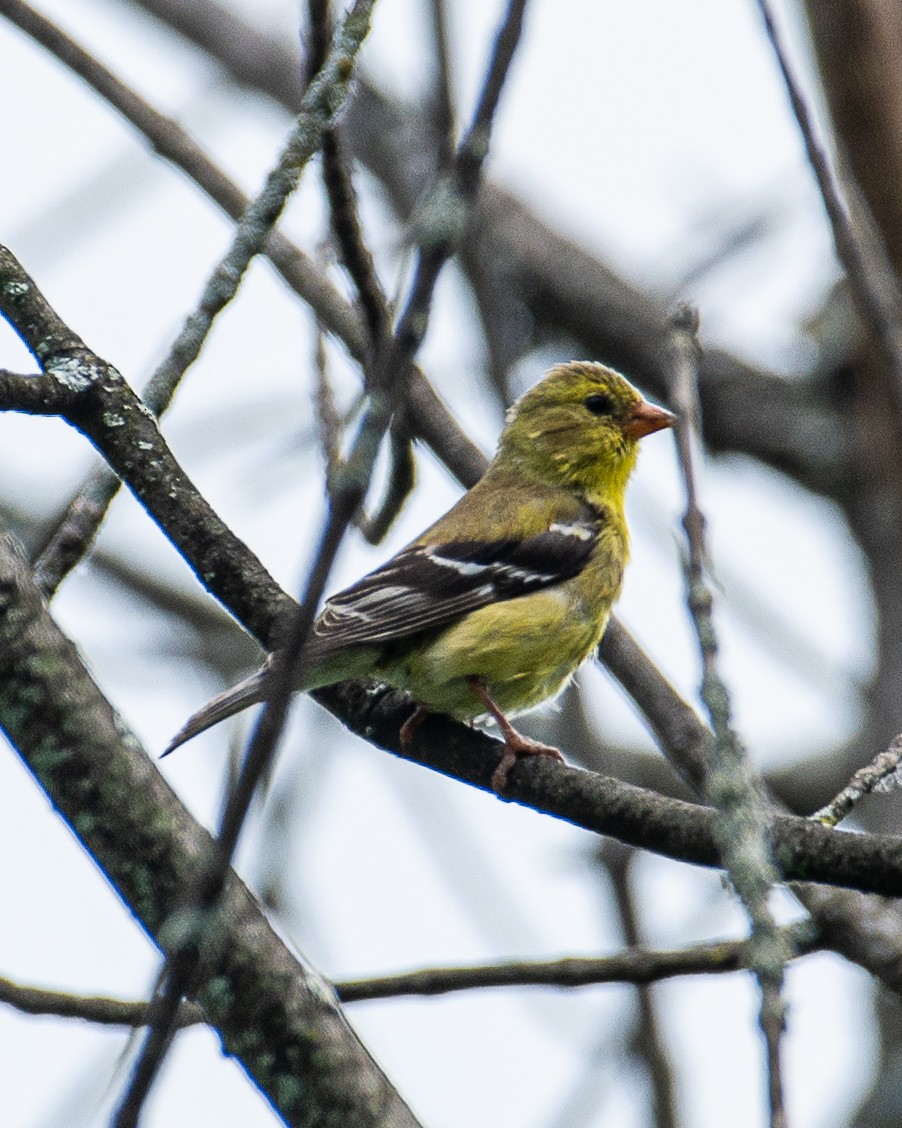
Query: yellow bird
493	608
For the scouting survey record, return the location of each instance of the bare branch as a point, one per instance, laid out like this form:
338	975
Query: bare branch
684	831
634	965
401	481
647	1039
681	735
877	776
90	1008
328	421
35	395
442	88
472	151
343	211
742	826
276	1015
374	304
94	398
865	930
860	251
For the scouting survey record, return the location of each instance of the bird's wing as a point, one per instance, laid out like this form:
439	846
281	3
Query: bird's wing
429	585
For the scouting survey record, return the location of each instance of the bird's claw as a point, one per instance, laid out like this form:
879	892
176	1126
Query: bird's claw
517	745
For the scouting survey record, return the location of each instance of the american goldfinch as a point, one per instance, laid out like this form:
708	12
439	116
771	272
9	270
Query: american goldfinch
494	607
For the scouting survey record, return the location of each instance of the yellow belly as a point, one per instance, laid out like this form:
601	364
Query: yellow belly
524	651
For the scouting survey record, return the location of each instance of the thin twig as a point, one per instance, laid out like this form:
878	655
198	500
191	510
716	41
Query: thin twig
358	262
343	210
348	232
320	105
880	775
440	227
445	218
859	246
442	86
73	535
639	966
316	39
742	826
402	478
647	1040
473	149
90	1008
355	255
328	421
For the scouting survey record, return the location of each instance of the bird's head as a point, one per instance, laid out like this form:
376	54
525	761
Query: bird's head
581	426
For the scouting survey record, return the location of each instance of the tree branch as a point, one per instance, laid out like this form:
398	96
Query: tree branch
743	819
93	397
98	1009
635	965
272	1012
860	246
863	929
803	851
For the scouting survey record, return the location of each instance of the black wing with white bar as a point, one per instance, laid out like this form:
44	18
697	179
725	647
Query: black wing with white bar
428	586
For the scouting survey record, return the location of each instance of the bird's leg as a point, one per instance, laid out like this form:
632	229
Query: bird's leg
411	725
515	743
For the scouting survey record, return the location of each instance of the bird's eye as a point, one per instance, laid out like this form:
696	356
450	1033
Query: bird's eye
599	404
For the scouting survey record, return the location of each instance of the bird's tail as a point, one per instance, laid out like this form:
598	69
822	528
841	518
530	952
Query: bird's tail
251	691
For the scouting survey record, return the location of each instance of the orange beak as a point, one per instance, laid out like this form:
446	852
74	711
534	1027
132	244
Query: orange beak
645	419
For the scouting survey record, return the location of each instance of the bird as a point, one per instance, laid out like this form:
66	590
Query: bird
492	609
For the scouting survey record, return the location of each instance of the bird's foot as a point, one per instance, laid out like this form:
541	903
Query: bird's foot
515	746
515	743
